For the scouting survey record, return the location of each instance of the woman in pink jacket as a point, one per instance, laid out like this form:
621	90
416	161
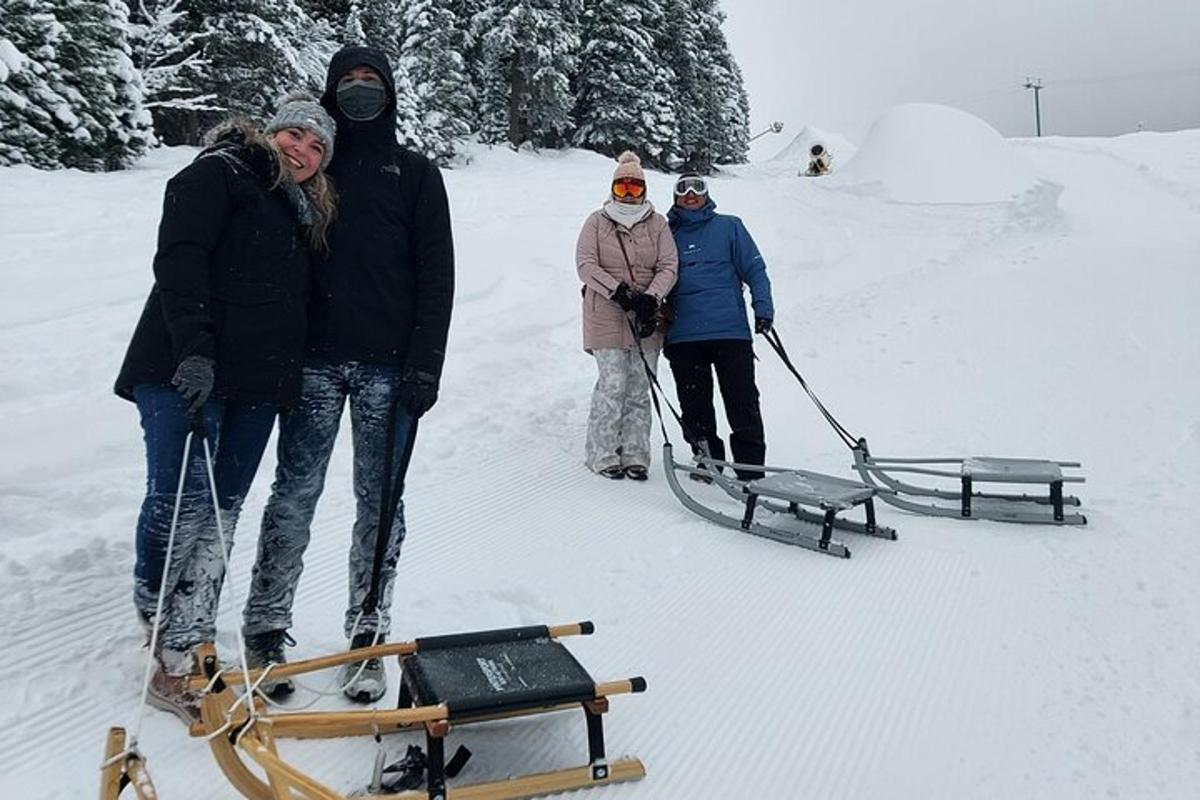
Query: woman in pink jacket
627	261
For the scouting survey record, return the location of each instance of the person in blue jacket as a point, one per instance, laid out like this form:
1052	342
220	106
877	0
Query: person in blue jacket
710	332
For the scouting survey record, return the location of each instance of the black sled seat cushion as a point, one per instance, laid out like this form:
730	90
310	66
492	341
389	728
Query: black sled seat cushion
476	678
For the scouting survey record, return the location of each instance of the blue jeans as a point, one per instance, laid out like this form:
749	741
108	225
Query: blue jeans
306	437
237	435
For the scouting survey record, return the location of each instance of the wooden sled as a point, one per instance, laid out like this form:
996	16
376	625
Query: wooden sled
446	681
1046	508
123	768
783	491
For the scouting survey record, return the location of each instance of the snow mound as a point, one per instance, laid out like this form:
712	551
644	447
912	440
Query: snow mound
795	156
927	153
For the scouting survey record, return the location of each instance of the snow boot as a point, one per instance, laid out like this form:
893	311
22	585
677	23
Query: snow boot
636	472
364	681
169	692
266	648
615	472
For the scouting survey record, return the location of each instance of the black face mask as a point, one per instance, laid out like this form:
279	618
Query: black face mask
361	101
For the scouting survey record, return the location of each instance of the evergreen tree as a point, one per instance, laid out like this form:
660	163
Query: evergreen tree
432	60
352	29
733	147
383	23
211	59
624	85
167	50
528	49
71	94
685	50
32	112
724	135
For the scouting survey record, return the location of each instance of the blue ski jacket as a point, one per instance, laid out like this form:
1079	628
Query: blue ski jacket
717	258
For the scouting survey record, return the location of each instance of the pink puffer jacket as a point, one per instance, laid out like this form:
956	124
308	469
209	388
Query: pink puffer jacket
653	262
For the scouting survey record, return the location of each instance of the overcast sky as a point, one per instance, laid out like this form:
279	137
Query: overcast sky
1107	65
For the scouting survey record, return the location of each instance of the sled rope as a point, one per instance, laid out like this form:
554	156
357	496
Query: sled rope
241	642
136	730
655	390
849	439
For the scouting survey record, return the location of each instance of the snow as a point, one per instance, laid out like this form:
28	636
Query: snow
926	153
967	659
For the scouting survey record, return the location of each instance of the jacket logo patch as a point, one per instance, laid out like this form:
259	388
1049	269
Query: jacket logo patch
392	168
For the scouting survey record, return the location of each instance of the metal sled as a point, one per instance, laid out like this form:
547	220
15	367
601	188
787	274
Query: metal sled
966	502
447	681
790	492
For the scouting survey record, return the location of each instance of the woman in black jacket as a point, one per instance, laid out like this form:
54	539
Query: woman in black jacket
218	349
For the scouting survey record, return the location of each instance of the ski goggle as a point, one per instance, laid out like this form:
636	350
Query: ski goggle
691	185
628	187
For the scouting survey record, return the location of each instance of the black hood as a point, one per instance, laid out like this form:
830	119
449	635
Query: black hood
383	127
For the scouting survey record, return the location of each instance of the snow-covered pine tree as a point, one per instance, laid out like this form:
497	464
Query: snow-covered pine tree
257	51
383	23
733	146
433	62
74	98
529	50
352	28
167	42
687	53
410	127
625	99
32	113
728	106
468	45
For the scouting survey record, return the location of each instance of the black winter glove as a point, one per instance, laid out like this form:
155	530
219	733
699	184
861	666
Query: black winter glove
646	313
625	297
194	380
763	325
418	392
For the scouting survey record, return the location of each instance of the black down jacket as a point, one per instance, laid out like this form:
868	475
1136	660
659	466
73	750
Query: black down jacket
231	278
383	293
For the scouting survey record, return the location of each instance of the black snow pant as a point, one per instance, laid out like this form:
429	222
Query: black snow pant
692	365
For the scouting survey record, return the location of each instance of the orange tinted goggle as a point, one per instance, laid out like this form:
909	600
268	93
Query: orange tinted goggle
628	187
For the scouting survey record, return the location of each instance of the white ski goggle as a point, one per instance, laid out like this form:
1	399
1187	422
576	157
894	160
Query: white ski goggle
691	185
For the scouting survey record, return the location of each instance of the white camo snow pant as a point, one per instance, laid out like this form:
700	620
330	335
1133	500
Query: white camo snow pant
618	431
306	439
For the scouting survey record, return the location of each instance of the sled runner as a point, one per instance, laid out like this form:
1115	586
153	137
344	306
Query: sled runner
447	681
789	492
123	768
965	502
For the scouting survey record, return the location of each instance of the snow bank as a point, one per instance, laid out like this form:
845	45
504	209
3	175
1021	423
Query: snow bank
926	153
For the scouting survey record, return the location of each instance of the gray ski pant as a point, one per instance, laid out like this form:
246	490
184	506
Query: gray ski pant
618	431
306	438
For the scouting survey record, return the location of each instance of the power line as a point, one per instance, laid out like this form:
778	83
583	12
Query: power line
1170	73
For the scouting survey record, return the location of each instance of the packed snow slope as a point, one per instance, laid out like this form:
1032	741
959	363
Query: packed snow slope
966	660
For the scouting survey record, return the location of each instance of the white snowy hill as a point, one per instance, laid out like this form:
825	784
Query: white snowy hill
966	660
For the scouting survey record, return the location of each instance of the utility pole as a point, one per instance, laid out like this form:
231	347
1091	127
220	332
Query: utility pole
1036	85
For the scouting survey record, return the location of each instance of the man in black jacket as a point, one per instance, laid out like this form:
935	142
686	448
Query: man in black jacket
378	320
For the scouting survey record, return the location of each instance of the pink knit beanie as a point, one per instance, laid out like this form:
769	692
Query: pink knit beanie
629	166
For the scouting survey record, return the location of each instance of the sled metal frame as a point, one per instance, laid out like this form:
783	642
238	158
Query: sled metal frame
967	503
828	493
239	739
